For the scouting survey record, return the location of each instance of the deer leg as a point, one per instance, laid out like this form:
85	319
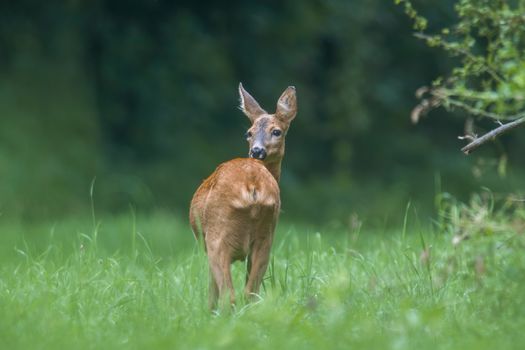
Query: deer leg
220	279
258	263
228	281
213	294
248	267
248	270
216	280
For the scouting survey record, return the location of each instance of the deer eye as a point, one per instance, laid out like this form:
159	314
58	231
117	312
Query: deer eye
277	132
248	134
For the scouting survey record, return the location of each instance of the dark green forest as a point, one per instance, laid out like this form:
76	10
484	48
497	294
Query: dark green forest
142	96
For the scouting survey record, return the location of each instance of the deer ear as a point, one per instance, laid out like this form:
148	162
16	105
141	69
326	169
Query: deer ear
287	105
248	105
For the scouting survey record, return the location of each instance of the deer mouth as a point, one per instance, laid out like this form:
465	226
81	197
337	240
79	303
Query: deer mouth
259	157
258	153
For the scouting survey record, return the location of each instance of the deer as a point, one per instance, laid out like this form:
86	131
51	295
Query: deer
235	210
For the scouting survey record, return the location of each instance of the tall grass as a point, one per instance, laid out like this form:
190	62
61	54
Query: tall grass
141	282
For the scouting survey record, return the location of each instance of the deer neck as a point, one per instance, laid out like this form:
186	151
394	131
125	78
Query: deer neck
274	168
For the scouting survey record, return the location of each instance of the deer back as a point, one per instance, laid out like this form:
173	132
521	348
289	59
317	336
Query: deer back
237	193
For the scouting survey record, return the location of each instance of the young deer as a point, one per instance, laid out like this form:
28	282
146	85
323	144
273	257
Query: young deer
236	208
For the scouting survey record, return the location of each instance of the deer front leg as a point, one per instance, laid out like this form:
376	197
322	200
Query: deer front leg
257	264
248	268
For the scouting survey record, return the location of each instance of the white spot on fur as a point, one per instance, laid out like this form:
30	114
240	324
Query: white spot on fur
250	197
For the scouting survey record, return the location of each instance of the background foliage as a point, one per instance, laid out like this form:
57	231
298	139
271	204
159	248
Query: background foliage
489	38
110	104
488	81
142	95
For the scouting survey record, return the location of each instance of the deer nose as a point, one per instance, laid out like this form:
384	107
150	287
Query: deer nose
258	153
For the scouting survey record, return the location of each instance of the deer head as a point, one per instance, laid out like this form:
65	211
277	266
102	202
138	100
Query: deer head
267	132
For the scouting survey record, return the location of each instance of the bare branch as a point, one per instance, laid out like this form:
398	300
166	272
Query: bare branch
467	137
491	135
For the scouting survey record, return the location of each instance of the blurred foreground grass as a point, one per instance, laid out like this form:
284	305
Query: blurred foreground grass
142	283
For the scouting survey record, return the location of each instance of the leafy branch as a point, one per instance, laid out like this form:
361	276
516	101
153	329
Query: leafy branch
489	80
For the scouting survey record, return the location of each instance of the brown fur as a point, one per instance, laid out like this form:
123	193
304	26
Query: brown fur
236	208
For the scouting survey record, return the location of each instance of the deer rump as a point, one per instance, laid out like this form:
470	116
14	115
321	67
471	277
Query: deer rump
236	207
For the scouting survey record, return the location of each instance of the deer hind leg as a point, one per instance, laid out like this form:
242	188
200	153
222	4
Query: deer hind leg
221	282
213	293
228	283
257	264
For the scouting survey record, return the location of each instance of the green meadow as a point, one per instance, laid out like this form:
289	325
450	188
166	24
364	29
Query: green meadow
455	281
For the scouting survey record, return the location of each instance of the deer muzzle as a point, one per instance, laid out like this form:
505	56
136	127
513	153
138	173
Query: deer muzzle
258	153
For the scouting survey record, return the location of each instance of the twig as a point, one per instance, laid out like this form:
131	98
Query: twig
482	113
491	135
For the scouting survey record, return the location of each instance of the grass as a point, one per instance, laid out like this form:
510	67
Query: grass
141	282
